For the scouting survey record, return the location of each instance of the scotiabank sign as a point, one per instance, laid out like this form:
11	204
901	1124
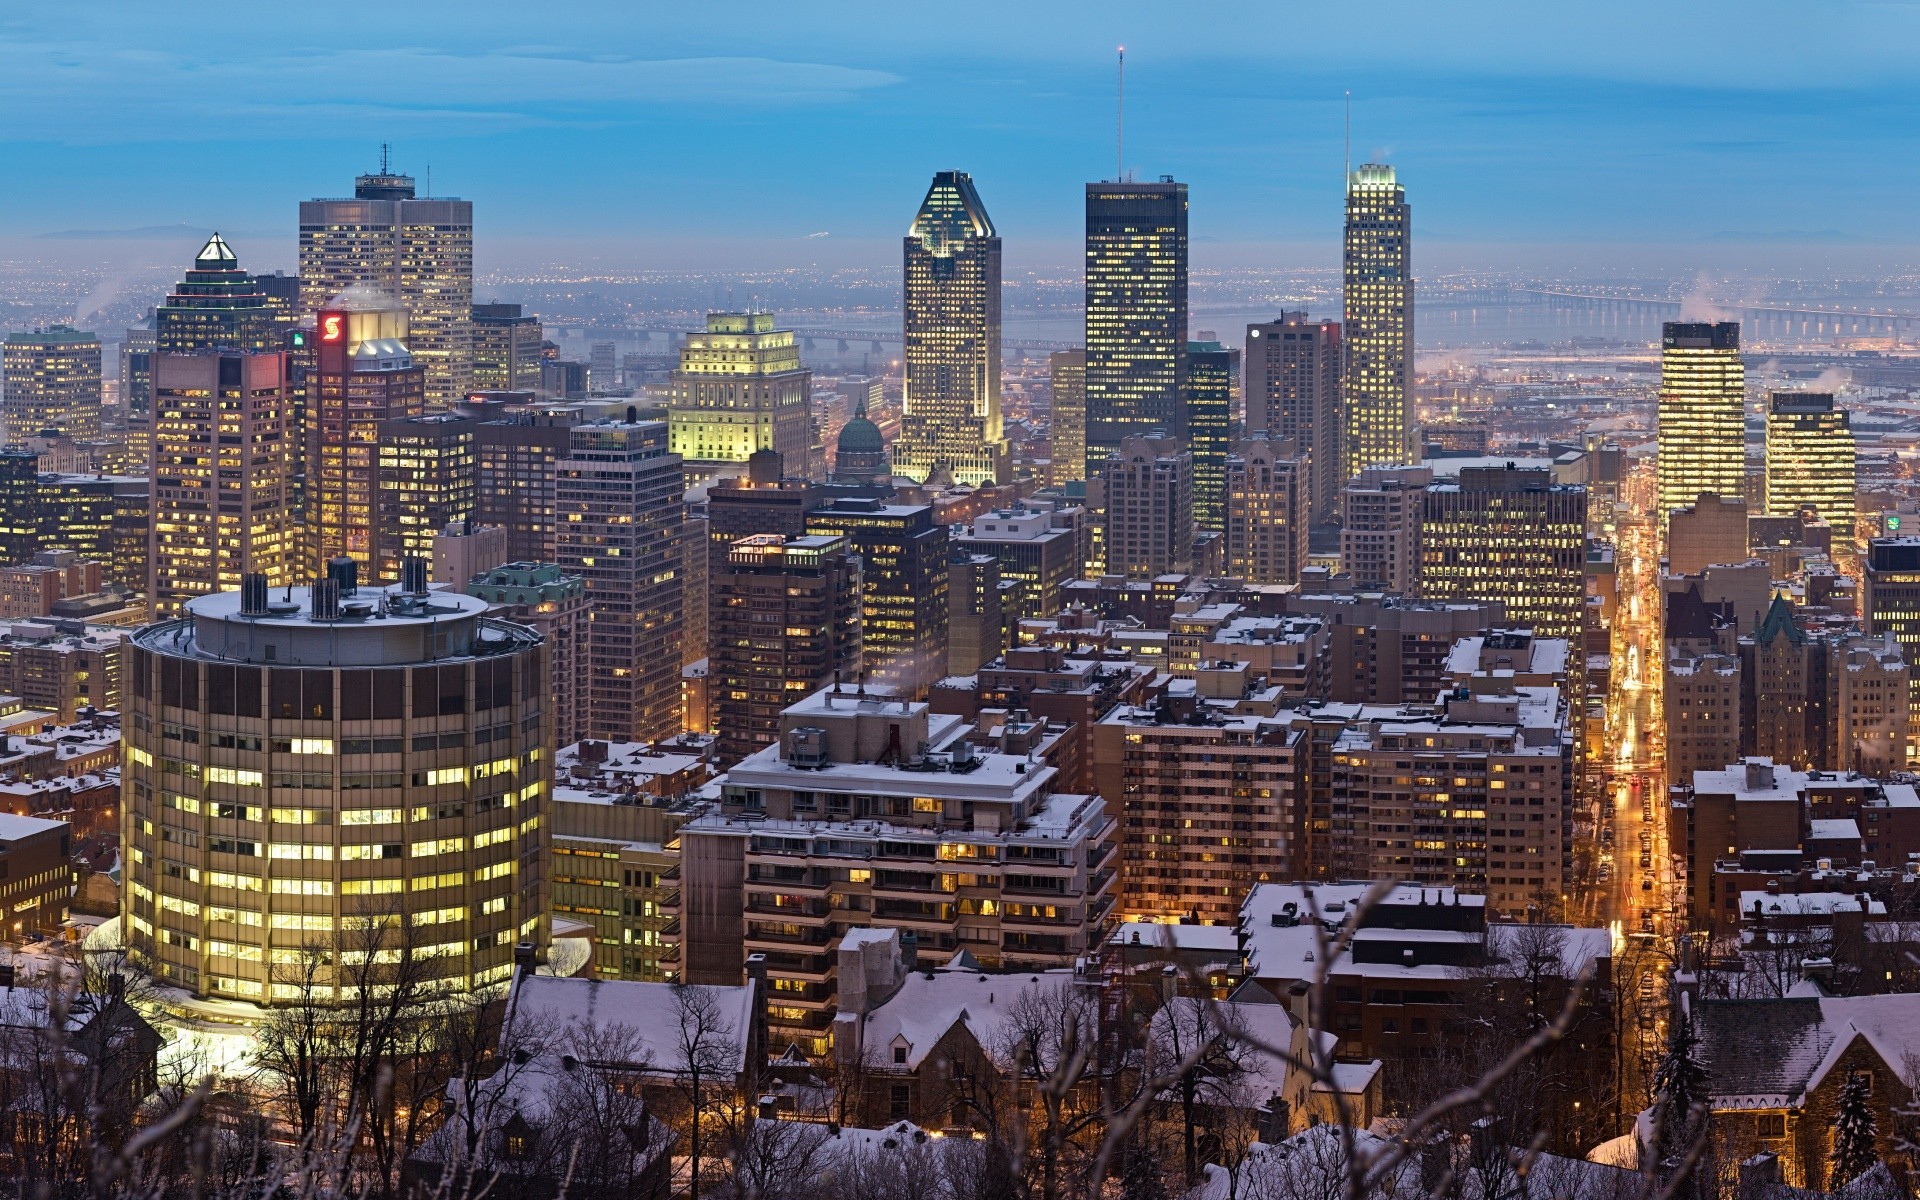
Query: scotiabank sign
330	331
333	327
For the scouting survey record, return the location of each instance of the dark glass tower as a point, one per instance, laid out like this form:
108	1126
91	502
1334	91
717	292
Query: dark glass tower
217	306
1136	314
1211	373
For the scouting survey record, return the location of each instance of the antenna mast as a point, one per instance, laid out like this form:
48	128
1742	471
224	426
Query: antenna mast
1120	121
383	158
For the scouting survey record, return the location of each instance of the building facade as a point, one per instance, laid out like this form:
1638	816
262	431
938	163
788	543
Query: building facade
50	379
1293	392
506	348
1136	314
1810	461
904	604
363	786
1703	431
1067	424
1513	535
1149	525
1213	382
554	604
217	306
424	481
1267	510
950	421
1380	536
741	388
1377	331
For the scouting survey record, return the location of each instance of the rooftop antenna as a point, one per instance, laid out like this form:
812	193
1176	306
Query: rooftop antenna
1120	120
429	188
383	158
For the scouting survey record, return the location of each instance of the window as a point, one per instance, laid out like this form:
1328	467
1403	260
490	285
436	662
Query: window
900	1055
1767	1126
899	1102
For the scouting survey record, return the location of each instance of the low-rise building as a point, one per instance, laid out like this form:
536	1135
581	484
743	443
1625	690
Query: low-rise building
36	878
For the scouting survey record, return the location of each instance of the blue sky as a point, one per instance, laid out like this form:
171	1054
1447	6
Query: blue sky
669	132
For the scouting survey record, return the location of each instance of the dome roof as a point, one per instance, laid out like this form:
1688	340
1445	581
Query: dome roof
861	435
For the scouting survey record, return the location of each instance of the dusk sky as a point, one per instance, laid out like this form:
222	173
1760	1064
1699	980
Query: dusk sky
677	133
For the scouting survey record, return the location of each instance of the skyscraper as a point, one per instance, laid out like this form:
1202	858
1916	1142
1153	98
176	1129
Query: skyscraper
424	480
903	556
1890	604
740	388
1378	329
1067	426
219	473
50	379
1293	394
785	623
1380	527
951	409
1513	535
1149	507
417	249
364	374
1213	373
1266	512
1702	413
217	306
1136	313
622	517
1810	461
506	348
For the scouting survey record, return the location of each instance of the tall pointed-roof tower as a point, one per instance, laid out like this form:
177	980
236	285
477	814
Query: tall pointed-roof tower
217	306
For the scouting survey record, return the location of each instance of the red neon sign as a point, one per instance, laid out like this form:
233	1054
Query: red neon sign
333	327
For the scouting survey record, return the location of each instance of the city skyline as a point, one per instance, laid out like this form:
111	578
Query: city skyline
1589	143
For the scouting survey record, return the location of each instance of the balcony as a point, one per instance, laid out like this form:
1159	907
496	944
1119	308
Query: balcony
760	905
757	936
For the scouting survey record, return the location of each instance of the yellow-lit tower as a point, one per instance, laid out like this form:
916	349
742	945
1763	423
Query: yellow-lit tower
740	389
1703	389
1136	306
951	412
1810	460
1378	283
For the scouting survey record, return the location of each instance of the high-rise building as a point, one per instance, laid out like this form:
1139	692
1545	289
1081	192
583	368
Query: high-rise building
1702	413
462	550
20	505
785	623
424	481
1267	511
950	420
417	249
1810	460
1067	424
1213	376
519	459
1509	534
553	603
102	517
217	306
1041	549
622	518
976	619
1293	393
136	371
1378	326
1149	513
364	373
740	388
1380	531
50	379
395	768
1709	531
506	349
1890	604
219	473
903	556
603	375
1136	313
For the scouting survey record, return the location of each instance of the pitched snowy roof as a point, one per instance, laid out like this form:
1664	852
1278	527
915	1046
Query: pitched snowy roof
928	1005
644	1012
1771	1053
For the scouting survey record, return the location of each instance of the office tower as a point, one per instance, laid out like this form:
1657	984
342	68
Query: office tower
904	587
1149	514
1213	800
1709	531
833	782
600	367
1213	375
20	505
1041	549
417	249
506	349
1378	326
1136	306
1702	417
1293	393
217	306
619	499
1513	535
785	623
136	378
1267	507
519	459
950	420
860	456
361	768
1067	424
102	517
424	481
976	620
1890	604
50	379
764	500
553	603
1810	460
1380	532
740	388
364	373
219	472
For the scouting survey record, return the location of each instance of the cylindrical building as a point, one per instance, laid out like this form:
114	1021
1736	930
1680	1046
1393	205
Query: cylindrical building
304	765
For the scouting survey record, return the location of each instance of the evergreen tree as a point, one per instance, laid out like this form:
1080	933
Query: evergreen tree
1679	1088
1853	1133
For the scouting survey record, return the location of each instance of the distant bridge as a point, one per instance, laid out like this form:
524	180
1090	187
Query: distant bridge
1765	319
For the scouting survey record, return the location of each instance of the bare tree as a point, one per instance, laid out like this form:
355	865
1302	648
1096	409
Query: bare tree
707	1062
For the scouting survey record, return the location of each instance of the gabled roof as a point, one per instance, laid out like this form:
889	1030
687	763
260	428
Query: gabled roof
1688	616
1779	621
1772	1053
928	1005
645	1012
